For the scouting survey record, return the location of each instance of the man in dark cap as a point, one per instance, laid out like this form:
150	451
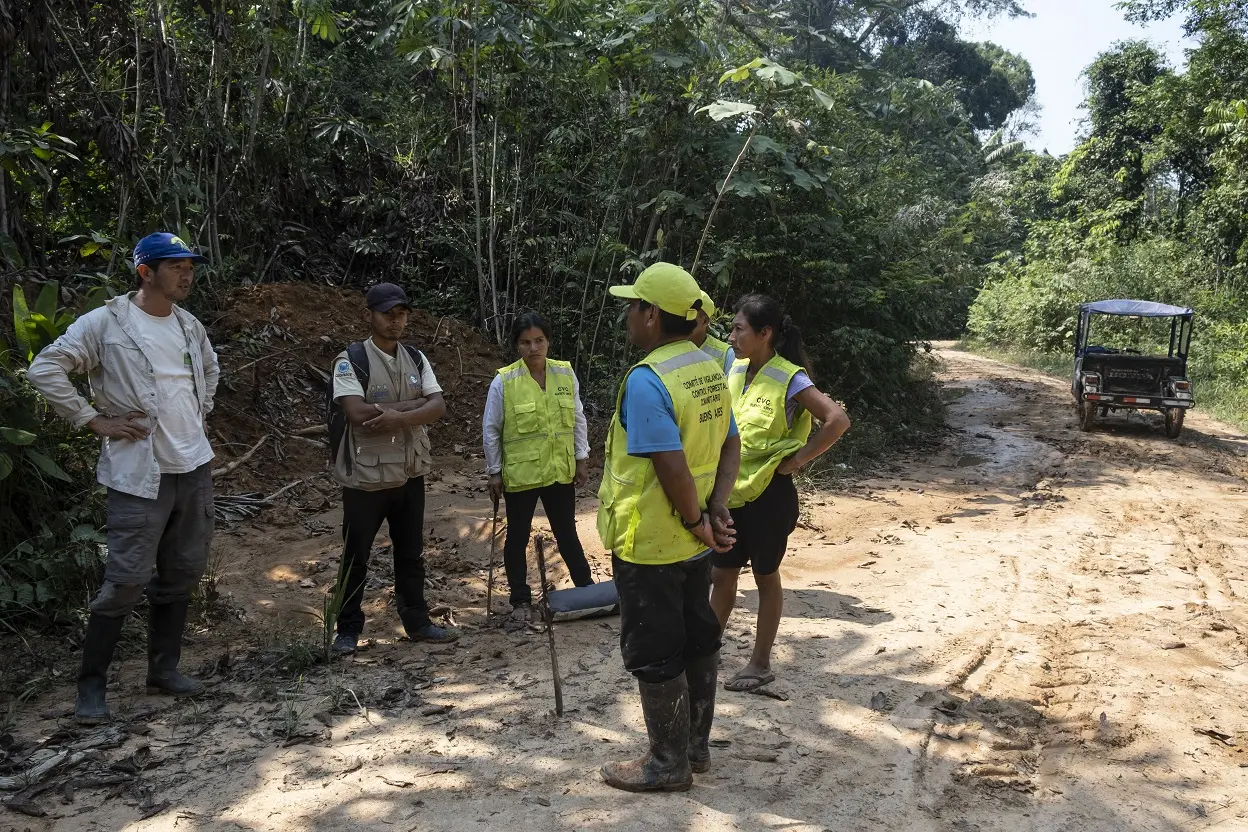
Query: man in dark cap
385	394
153	374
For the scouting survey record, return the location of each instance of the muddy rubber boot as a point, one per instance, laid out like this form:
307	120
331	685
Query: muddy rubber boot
165	624
702	675
97	654
666	767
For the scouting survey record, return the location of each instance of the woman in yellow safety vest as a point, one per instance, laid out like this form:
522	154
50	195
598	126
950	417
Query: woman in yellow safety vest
536	447
773	400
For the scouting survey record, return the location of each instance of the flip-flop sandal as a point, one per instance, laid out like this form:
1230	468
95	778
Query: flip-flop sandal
746	682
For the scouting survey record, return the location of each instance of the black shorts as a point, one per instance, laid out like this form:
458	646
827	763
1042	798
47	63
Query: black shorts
763	528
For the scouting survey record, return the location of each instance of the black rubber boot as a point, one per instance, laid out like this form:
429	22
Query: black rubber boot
97	654
165	623
702	675
666	767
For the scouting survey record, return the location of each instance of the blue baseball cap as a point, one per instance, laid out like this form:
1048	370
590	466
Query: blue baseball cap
164	246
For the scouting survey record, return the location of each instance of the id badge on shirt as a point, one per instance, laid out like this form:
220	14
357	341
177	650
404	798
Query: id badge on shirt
186	359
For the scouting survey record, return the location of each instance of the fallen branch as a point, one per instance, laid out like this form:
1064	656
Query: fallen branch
239	369
221	472
318	373
39	772
313	430
697	258
282	491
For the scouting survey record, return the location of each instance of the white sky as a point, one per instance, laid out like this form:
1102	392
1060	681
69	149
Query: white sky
1060	41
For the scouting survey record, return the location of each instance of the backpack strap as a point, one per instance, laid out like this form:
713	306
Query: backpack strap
335	415
418	357
358	357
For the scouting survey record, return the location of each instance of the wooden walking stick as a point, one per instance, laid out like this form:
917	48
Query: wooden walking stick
489	584
550	626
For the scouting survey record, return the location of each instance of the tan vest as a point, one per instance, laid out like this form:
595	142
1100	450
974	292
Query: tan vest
372	461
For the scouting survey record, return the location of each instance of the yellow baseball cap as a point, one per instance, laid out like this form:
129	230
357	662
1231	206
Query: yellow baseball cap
667	286
708	306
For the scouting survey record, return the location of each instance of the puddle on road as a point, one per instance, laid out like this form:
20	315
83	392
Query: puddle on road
991	448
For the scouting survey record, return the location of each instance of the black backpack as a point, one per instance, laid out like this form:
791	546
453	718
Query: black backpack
335	415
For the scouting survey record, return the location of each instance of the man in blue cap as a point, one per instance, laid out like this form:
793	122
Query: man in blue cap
153	374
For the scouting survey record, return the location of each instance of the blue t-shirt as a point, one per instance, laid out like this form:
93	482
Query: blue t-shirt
648	415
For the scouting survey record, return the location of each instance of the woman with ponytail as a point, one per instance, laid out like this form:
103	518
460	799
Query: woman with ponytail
774	402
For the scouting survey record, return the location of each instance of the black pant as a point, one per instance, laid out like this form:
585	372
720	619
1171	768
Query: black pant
559	501
362	512
666	618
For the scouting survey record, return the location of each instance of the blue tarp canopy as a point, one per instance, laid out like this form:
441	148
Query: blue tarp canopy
1135	308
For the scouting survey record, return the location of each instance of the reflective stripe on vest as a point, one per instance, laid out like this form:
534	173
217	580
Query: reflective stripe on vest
636	521
538	426
766	437
715	348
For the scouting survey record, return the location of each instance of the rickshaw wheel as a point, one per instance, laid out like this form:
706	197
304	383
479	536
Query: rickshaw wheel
1174	422
1087	415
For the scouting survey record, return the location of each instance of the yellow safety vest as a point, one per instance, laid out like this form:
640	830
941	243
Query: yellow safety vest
716	348
538	446
636	520
766	437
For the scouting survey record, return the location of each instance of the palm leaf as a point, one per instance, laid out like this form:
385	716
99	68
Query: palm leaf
23	326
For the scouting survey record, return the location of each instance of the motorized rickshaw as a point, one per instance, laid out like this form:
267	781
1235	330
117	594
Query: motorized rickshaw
1110	378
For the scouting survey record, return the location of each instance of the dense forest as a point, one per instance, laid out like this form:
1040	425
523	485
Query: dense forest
493	157
1152	203
860	159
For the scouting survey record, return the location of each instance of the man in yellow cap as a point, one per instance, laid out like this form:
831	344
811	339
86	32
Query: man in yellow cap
708	343
672	458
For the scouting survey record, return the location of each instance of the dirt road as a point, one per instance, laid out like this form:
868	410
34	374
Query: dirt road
1030	628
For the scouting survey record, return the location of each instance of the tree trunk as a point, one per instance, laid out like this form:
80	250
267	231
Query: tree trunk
482	305
4	122
693	270
497	322
261	83
138	76
121	225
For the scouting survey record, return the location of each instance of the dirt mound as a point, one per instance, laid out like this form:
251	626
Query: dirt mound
276	345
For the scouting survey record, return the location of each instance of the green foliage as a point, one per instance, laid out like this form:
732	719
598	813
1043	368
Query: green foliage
1034	308
331	606
988	82
1149	205
494	157
35	328
50	549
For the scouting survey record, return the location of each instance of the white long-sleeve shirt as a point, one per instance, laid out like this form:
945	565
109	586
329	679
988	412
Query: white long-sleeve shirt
492	426
107	345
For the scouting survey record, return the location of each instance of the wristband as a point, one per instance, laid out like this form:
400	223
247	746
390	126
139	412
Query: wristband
691	526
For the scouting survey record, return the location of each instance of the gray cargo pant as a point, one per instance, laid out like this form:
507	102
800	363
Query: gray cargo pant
160	545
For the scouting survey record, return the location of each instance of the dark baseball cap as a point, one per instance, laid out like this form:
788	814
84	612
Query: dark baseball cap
164	246
385	296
